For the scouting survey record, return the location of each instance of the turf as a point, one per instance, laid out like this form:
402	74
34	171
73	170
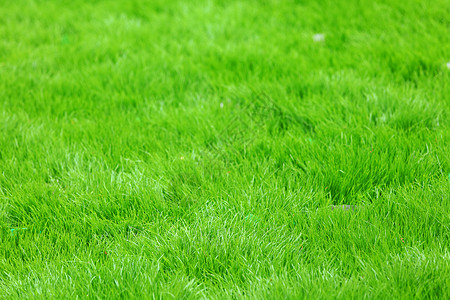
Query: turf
225	149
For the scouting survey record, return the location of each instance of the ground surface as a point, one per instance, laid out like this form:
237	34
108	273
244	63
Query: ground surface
196	149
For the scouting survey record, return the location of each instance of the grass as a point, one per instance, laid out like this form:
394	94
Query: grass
195	149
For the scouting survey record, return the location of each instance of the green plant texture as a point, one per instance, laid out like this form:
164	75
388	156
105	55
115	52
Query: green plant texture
241	149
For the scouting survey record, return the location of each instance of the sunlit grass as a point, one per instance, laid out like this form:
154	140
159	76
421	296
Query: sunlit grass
211	149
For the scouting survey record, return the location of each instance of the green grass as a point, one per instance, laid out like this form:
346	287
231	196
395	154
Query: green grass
195	149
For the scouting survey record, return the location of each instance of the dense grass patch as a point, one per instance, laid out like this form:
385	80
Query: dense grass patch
214	149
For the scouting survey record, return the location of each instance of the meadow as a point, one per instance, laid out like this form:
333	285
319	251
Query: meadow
242	149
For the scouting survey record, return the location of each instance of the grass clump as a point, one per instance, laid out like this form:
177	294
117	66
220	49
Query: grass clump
240	149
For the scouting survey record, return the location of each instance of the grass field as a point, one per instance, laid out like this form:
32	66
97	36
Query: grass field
225	149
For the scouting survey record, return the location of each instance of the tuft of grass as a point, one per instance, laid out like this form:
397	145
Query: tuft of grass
180	149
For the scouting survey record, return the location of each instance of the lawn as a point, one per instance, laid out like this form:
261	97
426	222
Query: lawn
272	149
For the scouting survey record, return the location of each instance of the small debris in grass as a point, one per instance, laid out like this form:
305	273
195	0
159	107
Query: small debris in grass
448	65
221	105
319	37
343	207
